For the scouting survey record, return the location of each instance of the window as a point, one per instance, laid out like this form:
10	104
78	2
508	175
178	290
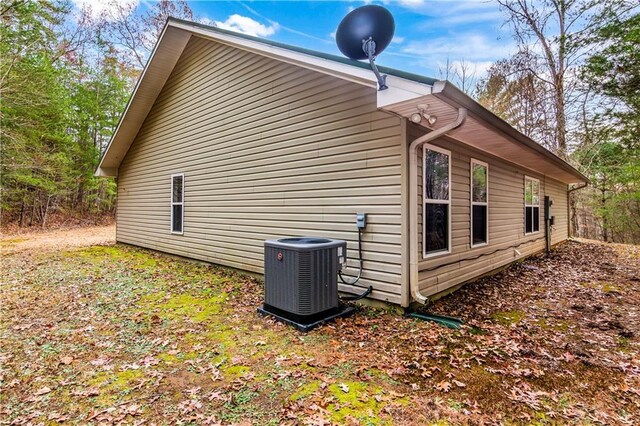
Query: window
437	200
479	203
177	203
531	205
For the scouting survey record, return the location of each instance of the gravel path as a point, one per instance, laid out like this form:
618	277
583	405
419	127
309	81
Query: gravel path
58	239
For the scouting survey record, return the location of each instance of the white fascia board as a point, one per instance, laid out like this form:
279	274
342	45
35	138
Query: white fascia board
400	90
326	66
174	52
106	172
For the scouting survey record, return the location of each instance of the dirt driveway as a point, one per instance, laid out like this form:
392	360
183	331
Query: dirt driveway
58	240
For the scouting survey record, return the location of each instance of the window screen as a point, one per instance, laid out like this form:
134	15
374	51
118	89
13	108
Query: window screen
177	203
437	200
479	203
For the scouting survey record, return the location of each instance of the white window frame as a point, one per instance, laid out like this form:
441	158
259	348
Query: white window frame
172	203
426	201
524	196
478	203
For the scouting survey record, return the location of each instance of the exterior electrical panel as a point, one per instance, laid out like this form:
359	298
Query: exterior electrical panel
301	276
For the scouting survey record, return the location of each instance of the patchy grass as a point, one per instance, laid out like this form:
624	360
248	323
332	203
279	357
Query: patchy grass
12	241
508	318
119	334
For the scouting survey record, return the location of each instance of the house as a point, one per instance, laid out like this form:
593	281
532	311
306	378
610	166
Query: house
229	140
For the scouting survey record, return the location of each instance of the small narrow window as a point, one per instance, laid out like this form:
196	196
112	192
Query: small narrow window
437	200
177	203
531	205
479	203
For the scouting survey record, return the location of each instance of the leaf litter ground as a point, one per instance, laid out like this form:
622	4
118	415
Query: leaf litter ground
117	334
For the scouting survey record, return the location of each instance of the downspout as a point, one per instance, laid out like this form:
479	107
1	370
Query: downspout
584	185
413	200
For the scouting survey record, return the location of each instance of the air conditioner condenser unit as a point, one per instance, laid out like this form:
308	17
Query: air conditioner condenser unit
301	280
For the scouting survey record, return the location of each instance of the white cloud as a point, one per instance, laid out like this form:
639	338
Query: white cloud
397	40
411	3
470	46
332	34
473	68
474	17
246	25
476	50
105	8
447	13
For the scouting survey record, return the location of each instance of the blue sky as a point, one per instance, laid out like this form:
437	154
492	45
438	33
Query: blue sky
427	32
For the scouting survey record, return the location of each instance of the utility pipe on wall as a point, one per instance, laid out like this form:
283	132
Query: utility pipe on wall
413	200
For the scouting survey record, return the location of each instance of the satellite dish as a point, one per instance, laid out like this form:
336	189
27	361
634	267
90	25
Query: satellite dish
364	33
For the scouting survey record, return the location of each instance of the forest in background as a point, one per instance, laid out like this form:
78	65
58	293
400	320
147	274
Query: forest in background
65	78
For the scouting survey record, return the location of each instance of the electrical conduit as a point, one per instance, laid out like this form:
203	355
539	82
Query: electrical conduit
413	200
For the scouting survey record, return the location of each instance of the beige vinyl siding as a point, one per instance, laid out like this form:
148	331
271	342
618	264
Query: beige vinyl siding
506	218
268	150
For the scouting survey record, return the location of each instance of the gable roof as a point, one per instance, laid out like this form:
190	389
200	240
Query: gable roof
405	89
334	58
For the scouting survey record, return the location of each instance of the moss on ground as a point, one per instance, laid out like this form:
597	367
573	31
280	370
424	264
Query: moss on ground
603	286
112	385
235	371
356	400
12	241
182	306
508	318
305	390
130	256
202	350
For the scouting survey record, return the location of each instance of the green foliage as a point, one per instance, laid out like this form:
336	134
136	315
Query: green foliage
59	106
613	154
63	87
65	78
578	94
615	72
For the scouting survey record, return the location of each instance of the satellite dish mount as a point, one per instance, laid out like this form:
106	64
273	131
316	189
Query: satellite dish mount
369	48
364	33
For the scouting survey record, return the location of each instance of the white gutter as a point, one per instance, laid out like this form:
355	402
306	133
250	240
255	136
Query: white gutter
413	201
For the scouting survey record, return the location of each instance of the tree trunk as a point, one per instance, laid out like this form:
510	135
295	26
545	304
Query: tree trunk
561	119
80	198
99	199
33	211
46	211
23	209
573	216
605	222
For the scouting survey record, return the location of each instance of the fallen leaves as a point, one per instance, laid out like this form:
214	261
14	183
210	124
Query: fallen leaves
459	384
443	386
123	364
42	391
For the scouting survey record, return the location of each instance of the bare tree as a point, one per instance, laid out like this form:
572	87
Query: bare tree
515	94
136	34
552	31
466	75
462	73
